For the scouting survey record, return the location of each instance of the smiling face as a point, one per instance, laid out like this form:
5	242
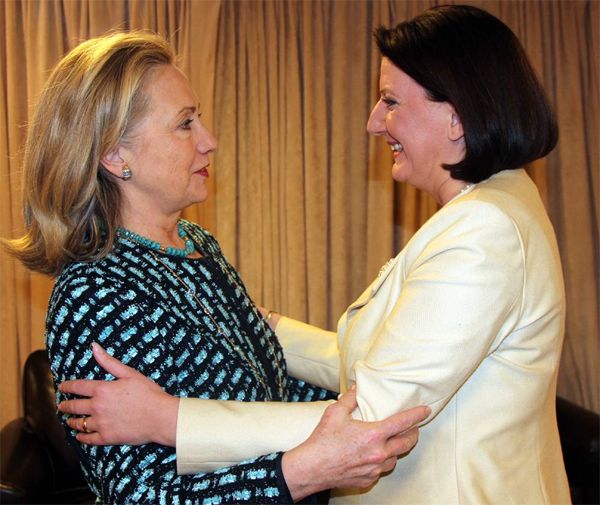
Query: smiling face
168	151
422	134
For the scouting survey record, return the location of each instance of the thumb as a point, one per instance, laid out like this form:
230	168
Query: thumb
348	400
110	364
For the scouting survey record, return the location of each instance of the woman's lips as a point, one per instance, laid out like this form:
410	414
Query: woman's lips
203	172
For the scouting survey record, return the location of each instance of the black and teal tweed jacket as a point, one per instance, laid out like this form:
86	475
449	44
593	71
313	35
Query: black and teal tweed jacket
136	309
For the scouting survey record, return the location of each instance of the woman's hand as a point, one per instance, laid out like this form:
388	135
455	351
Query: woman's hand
273	319
343	452
110	407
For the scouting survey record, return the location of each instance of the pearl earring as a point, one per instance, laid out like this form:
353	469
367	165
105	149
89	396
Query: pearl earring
126	172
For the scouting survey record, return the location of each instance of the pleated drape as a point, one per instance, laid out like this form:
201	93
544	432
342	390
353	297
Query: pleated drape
306	207
302	200
571	70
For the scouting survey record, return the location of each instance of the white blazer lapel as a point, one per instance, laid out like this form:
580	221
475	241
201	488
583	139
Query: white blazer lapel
368	293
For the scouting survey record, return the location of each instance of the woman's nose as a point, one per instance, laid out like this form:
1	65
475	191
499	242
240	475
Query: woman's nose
376	122
206	141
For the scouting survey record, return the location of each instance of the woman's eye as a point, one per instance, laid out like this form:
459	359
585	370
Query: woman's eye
389	102
186	124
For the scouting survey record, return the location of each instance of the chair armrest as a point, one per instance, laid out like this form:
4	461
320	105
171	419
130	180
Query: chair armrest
11	494
579	431
22	463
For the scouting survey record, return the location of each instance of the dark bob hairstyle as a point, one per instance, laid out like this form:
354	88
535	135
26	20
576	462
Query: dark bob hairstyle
467	57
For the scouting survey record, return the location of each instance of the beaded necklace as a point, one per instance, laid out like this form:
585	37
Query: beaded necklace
156	246
191	292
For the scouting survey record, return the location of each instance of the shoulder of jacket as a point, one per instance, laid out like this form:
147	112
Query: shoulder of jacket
467	216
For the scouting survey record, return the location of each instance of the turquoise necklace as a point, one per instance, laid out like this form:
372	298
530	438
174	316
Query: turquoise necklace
153	245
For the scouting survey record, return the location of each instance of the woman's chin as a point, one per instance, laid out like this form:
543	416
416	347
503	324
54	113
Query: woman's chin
399	172
200	191
201	196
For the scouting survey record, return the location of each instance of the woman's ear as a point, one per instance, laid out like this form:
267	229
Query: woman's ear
113	163
455	127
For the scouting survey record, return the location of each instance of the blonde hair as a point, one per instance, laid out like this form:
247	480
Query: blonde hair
93	99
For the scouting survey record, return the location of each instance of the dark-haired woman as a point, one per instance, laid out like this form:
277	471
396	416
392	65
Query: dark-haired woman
468	318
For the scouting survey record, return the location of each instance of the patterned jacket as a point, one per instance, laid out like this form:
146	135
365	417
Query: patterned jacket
157	313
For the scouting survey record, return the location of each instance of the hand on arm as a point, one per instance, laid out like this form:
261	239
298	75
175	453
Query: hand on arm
130	410
340	452
343	452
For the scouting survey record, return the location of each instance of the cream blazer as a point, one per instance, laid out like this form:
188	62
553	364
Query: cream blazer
468	319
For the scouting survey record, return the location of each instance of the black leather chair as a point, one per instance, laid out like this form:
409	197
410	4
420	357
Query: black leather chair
37	465
579	430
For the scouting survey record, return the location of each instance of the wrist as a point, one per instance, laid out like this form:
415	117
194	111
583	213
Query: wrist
166	430
289	467
272	318
298	475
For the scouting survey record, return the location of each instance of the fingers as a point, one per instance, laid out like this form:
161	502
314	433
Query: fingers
80	387
405	420
110	364
402	443
79	407
91	438
87	433
83	387
84	424
389	464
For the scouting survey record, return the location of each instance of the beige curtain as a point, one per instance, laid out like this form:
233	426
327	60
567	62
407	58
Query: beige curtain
305	206
302	200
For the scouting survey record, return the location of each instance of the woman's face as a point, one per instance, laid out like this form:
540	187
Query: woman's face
168	151
421	133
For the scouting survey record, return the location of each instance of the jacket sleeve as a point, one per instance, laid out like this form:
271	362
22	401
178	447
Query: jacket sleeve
311	353
212	433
